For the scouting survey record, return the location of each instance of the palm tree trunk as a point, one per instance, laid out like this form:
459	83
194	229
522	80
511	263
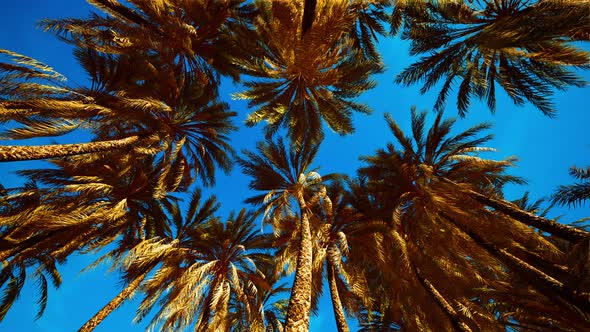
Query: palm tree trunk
443	303
308	15
300	301
336	303
538	277
23	152
114	303
559	272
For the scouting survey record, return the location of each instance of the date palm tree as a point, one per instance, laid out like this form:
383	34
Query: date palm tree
84	205
213	262
429	170
286	182
523	46
138	256
266	297
339	231
127	109
305	78
436	161
410	281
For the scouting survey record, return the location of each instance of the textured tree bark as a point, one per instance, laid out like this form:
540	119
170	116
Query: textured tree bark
300	301
308	15
35	152
113	304
341	323
443	303
565	232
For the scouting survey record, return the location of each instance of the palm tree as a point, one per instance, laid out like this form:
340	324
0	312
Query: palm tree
271	309
195	35
191	120
212	263
574	194
131	109
285	180
430	160
340	231
427	172
568	233
138	256
83	205
305	78
522	45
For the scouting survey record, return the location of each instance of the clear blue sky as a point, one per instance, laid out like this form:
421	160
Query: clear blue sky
545	147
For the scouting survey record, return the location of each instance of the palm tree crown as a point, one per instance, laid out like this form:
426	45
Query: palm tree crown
305	78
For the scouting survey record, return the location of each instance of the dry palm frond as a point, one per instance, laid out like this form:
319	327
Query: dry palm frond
305	79
440	226
522	46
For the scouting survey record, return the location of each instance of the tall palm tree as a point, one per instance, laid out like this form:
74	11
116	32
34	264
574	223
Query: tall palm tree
566	232
271	308
444	161
85	205
133	109
339	231
213	262
286	182
305	78
426	171
524	46
138	257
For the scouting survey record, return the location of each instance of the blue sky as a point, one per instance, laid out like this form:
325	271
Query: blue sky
546	148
